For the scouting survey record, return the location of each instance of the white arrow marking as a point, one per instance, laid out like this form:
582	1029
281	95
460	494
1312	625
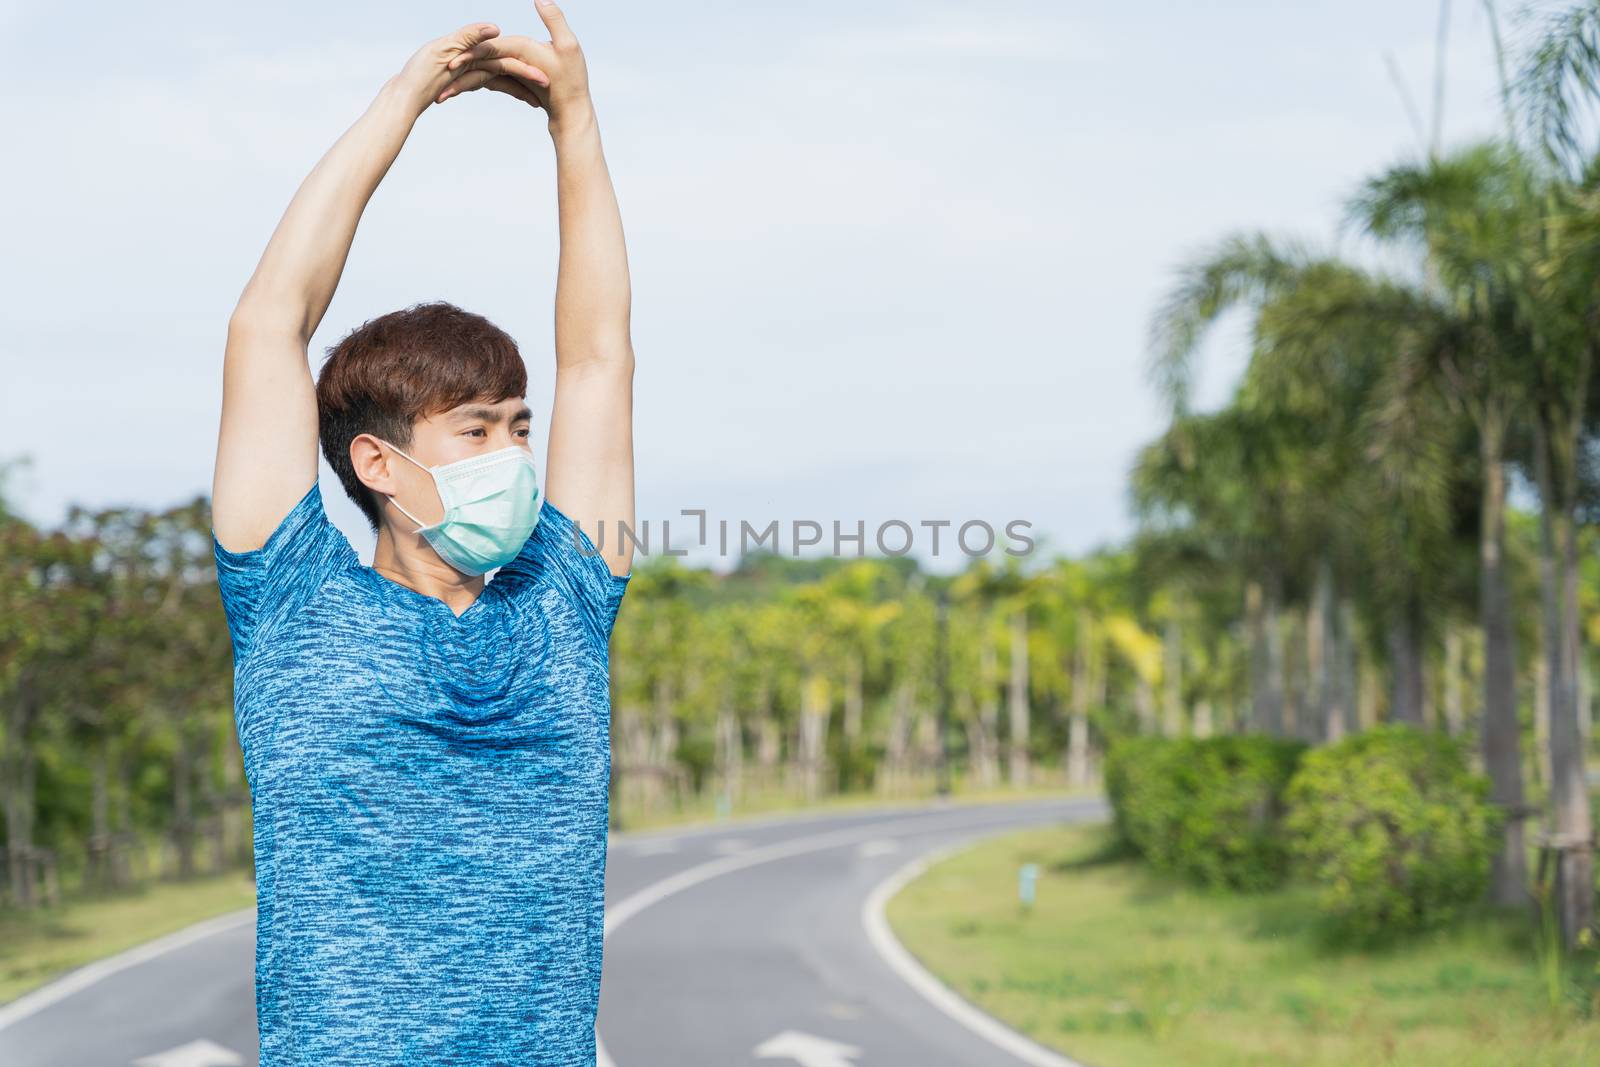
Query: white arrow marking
808	1049
201	1053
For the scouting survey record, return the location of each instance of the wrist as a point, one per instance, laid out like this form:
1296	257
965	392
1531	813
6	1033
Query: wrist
400	95
575	118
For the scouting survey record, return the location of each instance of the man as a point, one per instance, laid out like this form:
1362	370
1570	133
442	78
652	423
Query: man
428	751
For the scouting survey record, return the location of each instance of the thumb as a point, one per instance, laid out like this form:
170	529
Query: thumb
555	22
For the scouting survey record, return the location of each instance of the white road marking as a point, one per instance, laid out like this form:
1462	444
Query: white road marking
75	981
881	847
692	876
731	844
940	995
201	1053
84	977
809	1049
654	848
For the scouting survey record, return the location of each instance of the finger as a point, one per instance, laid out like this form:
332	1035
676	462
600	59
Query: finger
555	22
513	66
517	47
472	79
477	51
506	84
477	32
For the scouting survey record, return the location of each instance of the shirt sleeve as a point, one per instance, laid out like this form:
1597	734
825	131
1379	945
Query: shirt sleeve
264	585
560	554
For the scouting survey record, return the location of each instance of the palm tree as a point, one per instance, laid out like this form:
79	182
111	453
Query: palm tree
1383	350
1559	202
1474	213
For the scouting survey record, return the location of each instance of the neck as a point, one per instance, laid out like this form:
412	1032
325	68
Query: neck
405	558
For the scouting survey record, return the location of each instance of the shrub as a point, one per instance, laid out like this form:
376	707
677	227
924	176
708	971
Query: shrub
1208	810
1132	766
1394	827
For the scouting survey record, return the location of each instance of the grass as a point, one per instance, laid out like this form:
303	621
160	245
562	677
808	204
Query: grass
754	803
1117	967
38	946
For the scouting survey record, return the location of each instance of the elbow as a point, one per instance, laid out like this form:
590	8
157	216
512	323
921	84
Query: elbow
613	355
274	309
257	315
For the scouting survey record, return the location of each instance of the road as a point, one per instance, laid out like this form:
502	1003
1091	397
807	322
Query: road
745	943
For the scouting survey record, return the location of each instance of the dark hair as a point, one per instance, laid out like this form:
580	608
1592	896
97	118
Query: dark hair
407	365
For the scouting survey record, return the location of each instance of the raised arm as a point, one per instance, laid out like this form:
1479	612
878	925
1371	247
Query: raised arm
589	459
267	441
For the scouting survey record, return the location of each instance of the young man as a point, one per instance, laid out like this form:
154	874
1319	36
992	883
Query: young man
428	752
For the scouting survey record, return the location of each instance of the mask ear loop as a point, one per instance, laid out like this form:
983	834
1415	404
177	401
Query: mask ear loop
420	524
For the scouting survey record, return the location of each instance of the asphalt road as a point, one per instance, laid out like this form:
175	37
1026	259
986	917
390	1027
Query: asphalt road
745	943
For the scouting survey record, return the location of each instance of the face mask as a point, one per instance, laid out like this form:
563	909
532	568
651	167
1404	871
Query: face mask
491	505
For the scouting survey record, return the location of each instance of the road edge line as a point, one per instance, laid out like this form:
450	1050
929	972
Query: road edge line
675	883
81	978
914	974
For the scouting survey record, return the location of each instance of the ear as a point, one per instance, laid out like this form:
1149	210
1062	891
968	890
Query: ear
370	460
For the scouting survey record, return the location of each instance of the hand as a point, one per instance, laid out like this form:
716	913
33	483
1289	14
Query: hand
549	74
429	71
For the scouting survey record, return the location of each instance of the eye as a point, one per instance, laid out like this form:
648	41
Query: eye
478	430
523	431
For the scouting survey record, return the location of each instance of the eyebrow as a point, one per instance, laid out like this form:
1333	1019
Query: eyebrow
490	414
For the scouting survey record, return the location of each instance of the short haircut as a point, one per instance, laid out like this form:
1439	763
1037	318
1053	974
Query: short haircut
407	365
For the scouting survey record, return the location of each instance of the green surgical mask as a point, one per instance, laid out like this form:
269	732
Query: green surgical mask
491	505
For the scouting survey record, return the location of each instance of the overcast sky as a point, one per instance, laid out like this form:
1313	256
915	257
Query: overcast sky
889	259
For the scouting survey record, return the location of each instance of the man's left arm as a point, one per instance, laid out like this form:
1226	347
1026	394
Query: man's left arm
589	459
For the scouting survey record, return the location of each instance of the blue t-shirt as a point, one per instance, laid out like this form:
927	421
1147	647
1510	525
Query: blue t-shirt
430	800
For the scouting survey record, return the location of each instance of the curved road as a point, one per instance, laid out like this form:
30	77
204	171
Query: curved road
742	943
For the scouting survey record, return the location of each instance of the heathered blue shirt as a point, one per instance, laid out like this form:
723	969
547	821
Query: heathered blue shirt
430	800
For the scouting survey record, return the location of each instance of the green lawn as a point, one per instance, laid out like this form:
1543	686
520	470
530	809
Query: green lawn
1118	968
758	804
38	946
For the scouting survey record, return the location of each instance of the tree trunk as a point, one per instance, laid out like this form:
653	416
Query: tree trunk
1569	796
1541	716
1585	699
730	750
1144	705
97	872
897	745
1266	656
983	732
769	737
1405	664
1078	729
1350	666
1320	652
1501	733
1017	700
815	708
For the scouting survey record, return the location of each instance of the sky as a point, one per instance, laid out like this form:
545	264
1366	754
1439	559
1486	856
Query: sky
890	260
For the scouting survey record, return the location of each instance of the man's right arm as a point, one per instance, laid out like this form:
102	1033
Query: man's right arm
267	441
